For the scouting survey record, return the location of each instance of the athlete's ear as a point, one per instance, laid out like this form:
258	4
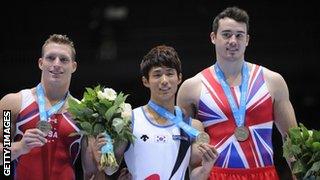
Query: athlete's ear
40	63
179	78
213	37
145	81
247	40
74	66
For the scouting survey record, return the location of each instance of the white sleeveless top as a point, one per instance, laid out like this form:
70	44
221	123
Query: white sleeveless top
158	151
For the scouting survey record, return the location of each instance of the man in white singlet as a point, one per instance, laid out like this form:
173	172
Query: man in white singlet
162	149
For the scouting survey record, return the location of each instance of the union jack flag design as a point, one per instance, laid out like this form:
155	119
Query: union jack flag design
216	115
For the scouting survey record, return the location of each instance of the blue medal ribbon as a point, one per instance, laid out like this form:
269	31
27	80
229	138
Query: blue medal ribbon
44	115
107	148
238	113
192	132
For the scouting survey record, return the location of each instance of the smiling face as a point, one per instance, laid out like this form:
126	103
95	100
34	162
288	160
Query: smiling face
163	83
57	64
230	40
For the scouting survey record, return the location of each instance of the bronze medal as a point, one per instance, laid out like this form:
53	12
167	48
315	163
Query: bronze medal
202	138
44	126
241	133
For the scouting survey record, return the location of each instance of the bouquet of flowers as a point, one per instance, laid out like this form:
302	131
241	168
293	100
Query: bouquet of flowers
302	147
102	110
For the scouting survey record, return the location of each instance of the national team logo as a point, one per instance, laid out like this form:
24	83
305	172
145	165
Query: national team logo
161	139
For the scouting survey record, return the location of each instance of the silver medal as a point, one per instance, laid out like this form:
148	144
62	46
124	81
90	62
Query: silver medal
202	138
44	126
241	133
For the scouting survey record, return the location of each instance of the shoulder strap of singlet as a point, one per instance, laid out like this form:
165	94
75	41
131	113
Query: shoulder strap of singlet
183	148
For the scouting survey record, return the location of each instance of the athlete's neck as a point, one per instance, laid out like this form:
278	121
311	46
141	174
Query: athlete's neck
231	68
168	105
53	93
154	116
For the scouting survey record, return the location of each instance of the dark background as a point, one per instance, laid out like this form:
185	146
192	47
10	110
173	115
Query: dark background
111	38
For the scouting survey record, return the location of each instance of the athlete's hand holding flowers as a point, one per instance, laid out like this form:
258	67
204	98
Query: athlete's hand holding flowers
103	113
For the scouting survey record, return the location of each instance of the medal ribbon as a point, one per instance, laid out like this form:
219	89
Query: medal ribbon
44	115
192	132
238	113
107	148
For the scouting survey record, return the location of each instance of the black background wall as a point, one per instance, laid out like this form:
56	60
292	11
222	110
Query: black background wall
111	38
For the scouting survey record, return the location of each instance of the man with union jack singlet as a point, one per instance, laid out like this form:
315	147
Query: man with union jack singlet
238	102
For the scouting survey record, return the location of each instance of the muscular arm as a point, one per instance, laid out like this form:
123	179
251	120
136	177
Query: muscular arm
31	138
188	95
284	116
10	102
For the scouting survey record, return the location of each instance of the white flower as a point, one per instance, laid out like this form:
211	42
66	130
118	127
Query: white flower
108	93
126	111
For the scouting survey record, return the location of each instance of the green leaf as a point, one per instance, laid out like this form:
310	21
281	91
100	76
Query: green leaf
100	107
89	97
295	135
315	157
314	169
287	152
316	135
120	99
98	88
110	112
297	167
75	108
86	126
305	133
309	142
106	103
98	128
316	146
129	136
74	103
91	92
316	166
295	149
86	115
118	124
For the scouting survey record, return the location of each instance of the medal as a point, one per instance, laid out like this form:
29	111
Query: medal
241	133
202	138
44	126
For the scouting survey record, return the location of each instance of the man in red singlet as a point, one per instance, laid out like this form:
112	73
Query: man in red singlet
42	148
